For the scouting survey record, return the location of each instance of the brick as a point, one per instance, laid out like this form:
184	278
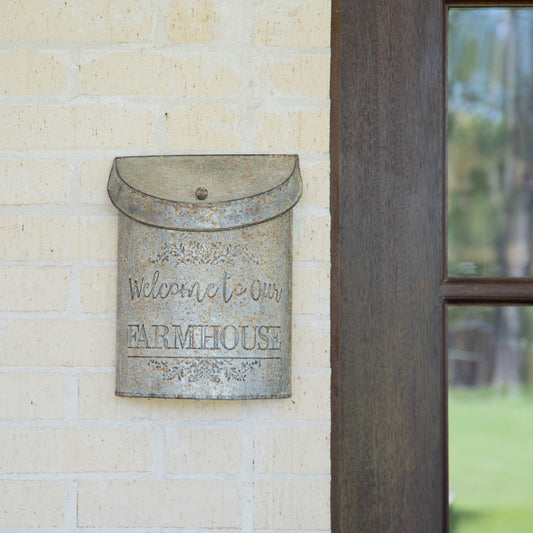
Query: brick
292	450
295	506
293	23
33	182
144	73
158	503
310	343
311	398
191	21
203	127
26	396
294	131
75	128
310	401
76	20
75	450
57	342
24	288
93	181
306	76
311	237
202	450
32	237
310	290
98	238
99	290
58	238
28	504
97	401
316	183
31	72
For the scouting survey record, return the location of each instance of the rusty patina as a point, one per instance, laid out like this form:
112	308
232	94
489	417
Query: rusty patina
204	275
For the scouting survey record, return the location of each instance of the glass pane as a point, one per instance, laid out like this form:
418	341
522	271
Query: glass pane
490	142
490	402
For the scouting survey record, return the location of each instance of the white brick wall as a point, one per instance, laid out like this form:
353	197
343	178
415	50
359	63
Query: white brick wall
84	82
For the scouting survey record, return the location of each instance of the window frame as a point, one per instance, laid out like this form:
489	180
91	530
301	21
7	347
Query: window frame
388	341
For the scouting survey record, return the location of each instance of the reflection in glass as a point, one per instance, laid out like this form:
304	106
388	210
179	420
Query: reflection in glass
490	404
490	142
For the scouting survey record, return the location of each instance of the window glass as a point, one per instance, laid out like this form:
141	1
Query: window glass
490	142
490	411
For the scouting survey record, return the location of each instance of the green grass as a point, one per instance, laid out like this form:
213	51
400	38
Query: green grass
491	461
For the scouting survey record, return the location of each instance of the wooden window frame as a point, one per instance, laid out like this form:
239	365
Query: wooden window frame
389	291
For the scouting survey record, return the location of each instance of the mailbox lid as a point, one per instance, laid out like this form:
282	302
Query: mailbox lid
242	190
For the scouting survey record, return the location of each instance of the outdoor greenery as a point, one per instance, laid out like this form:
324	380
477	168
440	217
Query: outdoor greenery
490	137
490	234
491	461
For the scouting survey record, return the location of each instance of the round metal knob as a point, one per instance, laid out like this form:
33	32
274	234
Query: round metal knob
201	193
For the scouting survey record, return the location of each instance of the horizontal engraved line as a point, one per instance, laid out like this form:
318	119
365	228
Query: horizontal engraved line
200	357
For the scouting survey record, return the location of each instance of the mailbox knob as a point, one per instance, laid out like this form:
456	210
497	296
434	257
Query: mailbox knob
201	193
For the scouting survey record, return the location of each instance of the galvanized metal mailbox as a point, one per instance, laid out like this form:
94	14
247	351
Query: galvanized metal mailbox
204	275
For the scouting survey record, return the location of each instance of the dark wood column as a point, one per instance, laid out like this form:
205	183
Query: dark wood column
388	444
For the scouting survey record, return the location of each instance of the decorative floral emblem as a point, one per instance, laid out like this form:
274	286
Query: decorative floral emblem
213	370
214	253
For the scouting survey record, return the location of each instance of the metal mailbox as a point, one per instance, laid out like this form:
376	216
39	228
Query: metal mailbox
204	275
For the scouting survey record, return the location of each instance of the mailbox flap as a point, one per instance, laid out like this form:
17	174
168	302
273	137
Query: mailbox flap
204	192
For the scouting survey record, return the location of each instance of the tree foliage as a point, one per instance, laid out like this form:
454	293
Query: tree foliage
490	164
